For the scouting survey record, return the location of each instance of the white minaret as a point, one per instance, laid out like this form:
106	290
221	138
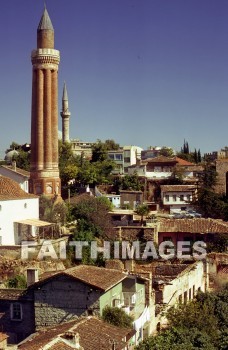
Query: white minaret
65	114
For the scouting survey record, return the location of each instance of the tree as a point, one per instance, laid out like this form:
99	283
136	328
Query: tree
177	176
19	282
95	212
142	210
68	163
22	159
166	152
130	182
99	152
189	325
52	211
111	145
117	317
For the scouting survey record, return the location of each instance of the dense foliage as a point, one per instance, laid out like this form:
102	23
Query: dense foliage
117	317
19	282
201	324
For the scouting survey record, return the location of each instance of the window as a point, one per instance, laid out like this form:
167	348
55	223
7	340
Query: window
167	198
174	198
111	156
0	207
16	312
190	294
188	197
119	157
25	205
182	197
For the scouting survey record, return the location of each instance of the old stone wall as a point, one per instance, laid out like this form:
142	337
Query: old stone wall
63	299
222	170
133	233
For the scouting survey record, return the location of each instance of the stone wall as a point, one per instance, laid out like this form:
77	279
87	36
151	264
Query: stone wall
62	299
222	170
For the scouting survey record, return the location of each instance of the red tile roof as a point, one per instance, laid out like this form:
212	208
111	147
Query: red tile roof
10	190
98	277
94	333
178	188
183	161
11	294
19	171
193	226
159	159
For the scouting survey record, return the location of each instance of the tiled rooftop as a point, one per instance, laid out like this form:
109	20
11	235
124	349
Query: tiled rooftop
94	335
193	226
17	170
97	277
177	188
11	294
10	189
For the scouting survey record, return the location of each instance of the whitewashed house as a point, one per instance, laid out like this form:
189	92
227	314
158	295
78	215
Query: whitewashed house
178	197
21	176
16	206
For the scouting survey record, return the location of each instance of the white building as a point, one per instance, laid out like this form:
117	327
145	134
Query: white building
125	157
15	205
21	176
178	197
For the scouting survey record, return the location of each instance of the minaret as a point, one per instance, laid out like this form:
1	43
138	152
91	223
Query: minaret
44	172
65	114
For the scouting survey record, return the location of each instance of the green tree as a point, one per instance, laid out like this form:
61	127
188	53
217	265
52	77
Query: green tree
95	212
19	282
22	159
117	317
52	211
111	145
99	152
166	152
130	182
68	163
142	210
189	325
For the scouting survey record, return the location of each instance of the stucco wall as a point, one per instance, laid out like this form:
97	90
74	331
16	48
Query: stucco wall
14	210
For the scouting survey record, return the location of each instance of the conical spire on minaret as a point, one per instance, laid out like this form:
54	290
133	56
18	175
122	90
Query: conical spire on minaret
45	32
65	114
65	96
45	22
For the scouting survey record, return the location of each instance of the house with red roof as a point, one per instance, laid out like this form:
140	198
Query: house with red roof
16	206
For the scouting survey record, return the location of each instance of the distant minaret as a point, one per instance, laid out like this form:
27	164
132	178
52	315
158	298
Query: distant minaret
65	114
44	172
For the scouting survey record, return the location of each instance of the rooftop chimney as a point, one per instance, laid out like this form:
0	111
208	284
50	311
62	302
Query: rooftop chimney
32	276
72	339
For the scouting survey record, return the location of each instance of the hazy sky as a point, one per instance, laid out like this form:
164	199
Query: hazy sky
143	72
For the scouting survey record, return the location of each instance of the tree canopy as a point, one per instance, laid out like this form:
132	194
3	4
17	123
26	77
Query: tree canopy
117	317
200	324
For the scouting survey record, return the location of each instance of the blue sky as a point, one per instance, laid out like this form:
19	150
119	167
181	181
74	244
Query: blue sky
143	72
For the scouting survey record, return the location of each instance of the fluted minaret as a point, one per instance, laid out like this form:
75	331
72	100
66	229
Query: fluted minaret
65	114
44	178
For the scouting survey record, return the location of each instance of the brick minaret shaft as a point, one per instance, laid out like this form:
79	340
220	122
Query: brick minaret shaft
65	114
44	178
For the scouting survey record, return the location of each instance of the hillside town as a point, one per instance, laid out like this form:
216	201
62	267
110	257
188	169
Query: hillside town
107	246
